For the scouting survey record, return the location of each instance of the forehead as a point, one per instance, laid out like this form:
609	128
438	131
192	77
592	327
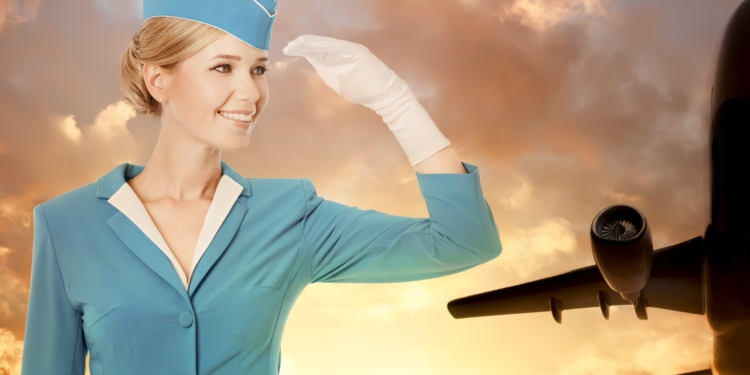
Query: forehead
231	45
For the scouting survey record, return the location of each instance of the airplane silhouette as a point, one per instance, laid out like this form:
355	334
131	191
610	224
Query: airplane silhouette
708	275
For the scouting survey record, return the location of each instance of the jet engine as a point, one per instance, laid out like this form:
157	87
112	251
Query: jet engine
621	243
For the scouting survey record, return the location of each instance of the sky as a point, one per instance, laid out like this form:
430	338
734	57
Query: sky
565	106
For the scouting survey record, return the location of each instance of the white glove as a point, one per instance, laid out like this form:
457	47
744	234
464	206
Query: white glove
356	74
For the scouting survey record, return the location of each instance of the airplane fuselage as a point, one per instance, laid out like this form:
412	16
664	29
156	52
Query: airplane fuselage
726	268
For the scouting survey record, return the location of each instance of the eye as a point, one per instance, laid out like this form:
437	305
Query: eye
220	66
264	70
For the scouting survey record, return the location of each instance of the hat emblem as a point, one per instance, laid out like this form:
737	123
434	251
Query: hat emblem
266	5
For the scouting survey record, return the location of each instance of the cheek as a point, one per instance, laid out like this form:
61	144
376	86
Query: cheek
198	98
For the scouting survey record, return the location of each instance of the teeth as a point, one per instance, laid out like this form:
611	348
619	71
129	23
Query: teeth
237	116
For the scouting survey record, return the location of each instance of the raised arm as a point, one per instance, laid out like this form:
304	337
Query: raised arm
347	244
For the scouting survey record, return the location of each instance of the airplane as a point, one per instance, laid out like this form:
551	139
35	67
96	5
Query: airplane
707	275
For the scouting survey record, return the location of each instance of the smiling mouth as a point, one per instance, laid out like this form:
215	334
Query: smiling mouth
237	116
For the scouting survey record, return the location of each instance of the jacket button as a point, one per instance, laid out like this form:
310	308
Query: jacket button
186	319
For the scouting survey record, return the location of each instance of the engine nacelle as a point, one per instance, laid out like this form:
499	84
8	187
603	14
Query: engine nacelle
621	243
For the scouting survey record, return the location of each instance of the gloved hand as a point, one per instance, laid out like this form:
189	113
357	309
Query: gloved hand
356	74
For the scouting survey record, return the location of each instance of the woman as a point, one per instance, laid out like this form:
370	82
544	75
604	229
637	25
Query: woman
183	266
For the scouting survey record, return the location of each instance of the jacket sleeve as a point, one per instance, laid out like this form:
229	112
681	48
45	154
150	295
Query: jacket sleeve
350	245
53	342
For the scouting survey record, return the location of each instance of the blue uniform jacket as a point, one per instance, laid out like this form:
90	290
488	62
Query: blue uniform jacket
99	284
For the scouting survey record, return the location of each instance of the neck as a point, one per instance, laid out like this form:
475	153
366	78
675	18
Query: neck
181	168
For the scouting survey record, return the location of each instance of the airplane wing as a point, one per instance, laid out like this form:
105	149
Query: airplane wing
703	372
675	284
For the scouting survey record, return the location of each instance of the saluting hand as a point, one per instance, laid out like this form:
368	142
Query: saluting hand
348	68
356	74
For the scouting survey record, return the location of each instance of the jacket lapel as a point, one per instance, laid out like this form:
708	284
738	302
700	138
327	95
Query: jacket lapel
143	247
226	232
146	250
223	237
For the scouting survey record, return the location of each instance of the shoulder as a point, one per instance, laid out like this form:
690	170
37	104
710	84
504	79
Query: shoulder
76	209
297	192
269	187
71	201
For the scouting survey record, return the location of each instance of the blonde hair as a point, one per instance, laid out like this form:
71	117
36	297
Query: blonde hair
162	41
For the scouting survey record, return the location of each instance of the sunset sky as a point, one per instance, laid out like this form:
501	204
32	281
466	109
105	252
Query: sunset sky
566	107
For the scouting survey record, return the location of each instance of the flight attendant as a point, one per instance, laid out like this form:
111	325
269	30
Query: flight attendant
183	266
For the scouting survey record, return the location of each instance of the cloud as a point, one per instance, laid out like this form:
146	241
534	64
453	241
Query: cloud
518	198
567	106
528	250
14	211
282	64
677	343
68	127
620	197
13	294
11	350
122	9
17	11
542	15
379	305
111	121
288	365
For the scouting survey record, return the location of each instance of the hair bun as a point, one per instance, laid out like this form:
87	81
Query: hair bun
162	41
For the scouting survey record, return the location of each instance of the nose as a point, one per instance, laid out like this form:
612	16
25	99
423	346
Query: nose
247	89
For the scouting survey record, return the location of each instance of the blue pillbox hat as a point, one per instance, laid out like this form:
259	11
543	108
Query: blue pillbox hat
249	20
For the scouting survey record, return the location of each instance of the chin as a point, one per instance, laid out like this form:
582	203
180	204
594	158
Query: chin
233	145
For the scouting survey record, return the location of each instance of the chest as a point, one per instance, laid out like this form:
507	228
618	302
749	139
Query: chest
180	225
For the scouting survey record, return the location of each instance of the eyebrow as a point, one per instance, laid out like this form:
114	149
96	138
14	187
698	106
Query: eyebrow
233	57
